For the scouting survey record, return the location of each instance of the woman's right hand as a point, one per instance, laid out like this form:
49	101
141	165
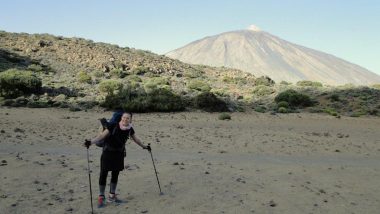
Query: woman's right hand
87	143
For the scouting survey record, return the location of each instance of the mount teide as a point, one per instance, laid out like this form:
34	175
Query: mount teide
261	53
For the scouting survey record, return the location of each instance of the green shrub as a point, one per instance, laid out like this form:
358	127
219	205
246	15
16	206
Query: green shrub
156	82
263	90
235	80
192	73
294	98
283	104
285	83
83	77
119	65
220	92
358	113
282	110
199	85
110	86
331	111
376	86
38	104
134	78
118	73
140	70
164	100
264	80
158	100
98	74
260	109
315	110
334	97
224	116
14	83
209	102
227	79
304	83
7	102
35	67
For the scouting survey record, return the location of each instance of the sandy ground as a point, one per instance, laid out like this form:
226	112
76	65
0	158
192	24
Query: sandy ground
254	163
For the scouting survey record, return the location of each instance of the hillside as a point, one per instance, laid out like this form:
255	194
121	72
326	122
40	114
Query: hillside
263	54
79	74
79	65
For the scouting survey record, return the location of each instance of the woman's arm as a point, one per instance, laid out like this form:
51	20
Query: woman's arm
138	141
100	137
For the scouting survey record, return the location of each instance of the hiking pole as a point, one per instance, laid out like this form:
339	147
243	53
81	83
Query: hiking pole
150	151
89	178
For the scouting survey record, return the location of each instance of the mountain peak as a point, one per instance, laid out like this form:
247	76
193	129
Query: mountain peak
253	28
266	55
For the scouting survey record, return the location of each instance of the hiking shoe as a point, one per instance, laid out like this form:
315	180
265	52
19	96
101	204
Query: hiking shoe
113	199
101	201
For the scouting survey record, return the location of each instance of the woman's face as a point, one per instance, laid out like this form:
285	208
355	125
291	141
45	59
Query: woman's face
126	119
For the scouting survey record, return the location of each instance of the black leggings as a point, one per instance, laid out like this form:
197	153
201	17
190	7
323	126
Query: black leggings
104	174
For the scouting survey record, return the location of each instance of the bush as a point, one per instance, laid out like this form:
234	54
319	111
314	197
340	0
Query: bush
110	86
334	97
263	90
209	102
158	100
134	78
98	74
282	110
83	77
35	67
235	80
376	86
285	83
260	109
264	80
199	85
331	111
14	83
38	104
283	104
140	70
224	116
192	73
164	100
118	73
154	83
309	83
294	98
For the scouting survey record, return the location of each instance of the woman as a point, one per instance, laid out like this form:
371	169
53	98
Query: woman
112	159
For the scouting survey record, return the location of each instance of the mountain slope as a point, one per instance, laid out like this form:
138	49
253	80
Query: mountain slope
261	53
64	60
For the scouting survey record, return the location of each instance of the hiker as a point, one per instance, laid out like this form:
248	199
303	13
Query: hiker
112	158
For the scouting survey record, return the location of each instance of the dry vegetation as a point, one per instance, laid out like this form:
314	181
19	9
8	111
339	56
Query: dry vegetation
79	74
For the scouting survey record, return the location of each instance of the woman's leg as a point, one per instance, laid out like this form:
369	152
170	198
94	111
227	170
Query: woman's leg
102	181
113	184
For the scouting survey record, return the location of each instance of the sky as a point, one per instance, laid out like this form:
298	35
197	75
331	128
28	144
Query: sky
348	29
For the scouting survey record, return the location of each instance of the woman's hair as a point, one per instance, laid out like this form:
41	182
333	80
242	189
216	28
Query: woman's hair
127	112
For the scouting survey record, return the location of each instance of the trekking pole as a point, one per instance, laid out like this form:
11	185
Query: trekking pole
150	151
89	179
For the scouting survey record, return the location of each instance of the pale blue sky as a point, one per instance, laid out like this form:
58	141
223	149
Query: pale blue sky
348	29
